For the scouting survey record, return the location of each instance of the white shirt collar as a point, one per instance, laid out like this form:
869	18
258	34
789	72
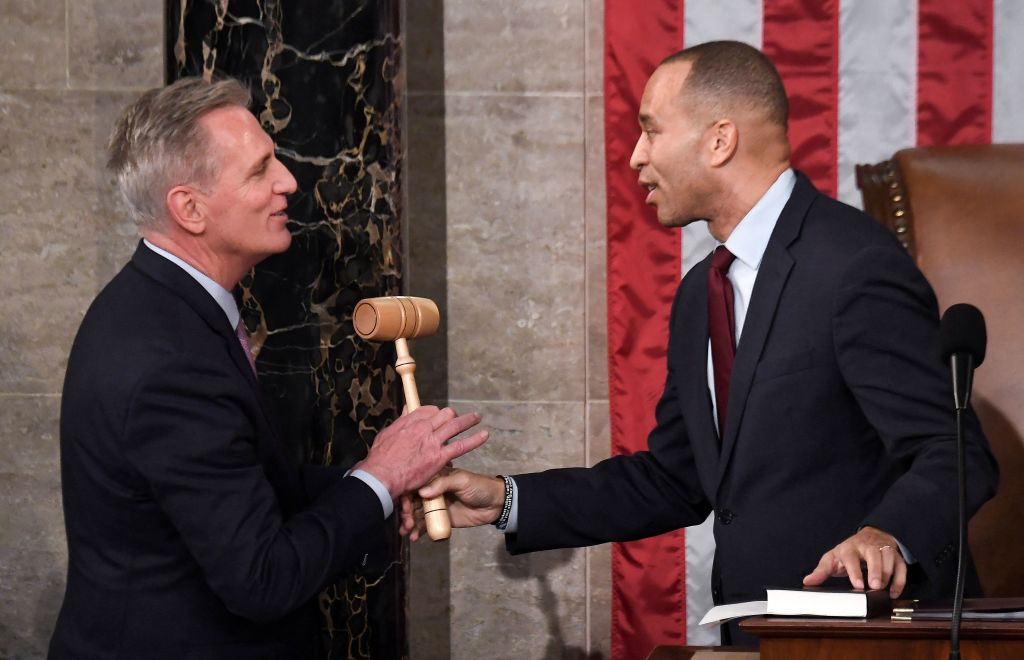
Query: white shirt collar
749	239
220	295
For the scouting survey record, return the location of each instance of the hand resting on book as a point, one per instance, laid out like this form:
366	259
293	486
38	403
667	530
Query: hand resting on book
872	547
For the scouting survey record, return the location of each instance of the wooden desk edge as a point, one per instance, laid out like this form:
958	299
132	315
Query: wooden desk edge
669	652
882	627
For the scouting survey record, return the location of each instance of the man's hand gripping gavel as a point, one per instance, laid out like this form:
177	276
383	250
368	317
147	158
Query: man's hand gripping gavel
399	318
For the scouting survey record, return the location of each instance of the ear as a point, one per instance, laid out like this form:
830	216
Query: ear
185	210
725	139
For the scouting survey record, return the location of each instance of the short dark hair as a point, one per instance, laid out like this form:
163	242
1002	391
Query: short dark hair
731	74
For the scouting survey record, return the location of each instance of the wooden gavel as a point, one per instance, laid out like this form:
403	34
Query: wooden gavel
400	318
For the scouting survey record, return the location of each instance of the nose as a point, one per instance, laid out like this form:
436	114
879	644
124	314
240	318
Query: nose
284	182
639	157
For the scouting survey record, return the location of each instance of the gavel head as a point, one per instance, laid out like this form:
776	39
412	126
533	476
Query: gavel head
395	317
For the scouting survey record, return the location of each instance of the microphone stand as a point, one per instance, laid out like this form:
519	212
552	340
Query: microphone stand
963	369
958	593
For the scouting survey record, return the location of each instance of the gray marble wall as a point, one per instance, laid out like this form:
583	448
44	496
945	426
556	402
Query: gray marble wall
506	185
67	69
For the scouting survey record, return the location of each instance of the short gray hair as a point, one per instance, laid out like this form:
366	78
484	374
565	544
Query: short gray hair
158	142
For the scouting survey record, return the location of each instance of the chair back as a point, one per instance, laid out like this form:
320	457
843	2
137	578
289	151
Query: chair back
959	211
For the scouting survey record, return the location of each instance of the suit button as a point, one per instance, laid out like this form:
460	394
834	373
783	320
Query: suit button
726	516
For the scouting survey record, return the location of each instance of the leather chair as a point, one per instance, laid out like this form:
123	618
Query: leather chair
959	211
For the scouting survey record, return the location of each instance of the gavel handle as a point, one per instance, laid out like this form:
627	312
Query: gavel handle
435	509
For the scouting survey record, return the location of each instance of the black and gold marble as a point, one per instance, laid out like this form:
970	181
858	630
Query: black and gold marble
326	82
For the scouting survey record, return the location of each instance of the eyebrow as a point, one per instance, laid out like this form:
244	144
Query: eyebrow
260	165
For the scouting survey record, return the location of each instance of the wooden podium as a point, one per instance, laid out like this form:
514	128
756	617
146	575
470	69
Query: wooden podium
791	638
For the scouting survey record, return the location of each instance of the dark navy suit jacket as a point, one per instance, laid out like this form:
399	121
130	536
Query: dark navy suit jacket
840	416
189	533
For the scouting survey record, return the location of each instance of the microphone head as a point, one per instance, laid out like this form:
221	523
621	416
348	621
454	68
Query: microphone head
962	330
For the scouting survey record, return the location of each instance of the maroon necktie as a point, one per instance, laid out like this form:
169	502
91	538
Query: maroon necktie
722	329
243	338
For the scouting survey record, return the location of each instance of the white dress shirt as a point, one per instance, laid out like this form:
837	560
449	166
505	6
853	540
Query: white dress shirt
747	242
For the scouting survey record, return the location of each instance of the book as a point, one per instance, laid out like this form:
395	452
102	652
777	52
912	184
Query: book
807	601
815	601
974	609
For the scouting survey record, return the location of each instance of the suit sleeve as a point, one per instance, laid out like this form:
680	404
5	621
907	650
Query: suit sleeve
189	435
885	326
317	479
622	498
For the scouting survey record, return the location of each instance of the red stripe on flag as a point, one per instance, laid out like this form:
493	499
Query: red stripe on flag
644	266
802	39
954	72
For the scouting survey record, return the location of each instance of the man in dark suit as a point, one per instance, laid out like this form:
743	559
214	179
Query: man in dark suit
820	430
189	533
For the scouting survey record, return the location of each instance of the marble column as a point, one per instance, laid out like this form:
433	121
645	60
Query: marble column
327	85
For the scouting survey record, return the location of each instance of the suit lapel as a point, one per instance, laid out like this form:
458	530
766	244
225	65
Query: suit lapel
181	283
693	329
776	265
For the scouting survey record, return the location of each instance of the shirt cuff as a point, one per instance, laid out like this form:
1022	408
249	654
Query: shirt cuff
513	515
907	557
382	493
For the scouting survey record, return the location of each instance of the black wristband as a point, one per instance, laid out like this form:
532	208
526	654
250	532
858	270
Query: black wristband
506	508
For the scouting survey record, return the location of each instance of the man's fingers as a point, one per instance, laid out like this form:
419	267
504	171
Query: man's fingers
888	556
457	448
871	547
815	577
850	559
824	570
441	417
412	524
438	485
872	557
408	522
456	425
448	480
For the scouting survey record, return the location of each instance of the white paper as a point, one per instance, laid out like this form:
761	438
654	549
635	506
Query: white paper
721	613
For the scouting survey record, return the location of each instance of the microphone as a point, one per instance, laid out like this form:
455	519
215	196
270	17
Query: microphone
963	338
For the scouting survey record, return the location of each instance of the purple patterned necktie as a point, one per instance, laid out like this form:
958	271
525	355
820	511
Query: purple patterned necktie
243	338
722	329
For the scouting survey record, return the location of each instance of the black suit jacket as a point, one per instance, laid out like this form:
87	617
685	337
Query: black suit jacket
189	534
840	415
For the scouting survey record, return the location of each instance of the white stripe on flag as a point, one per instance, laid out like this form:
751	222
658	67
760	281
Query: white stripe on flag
714	20
709	20
1008	73
877	85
